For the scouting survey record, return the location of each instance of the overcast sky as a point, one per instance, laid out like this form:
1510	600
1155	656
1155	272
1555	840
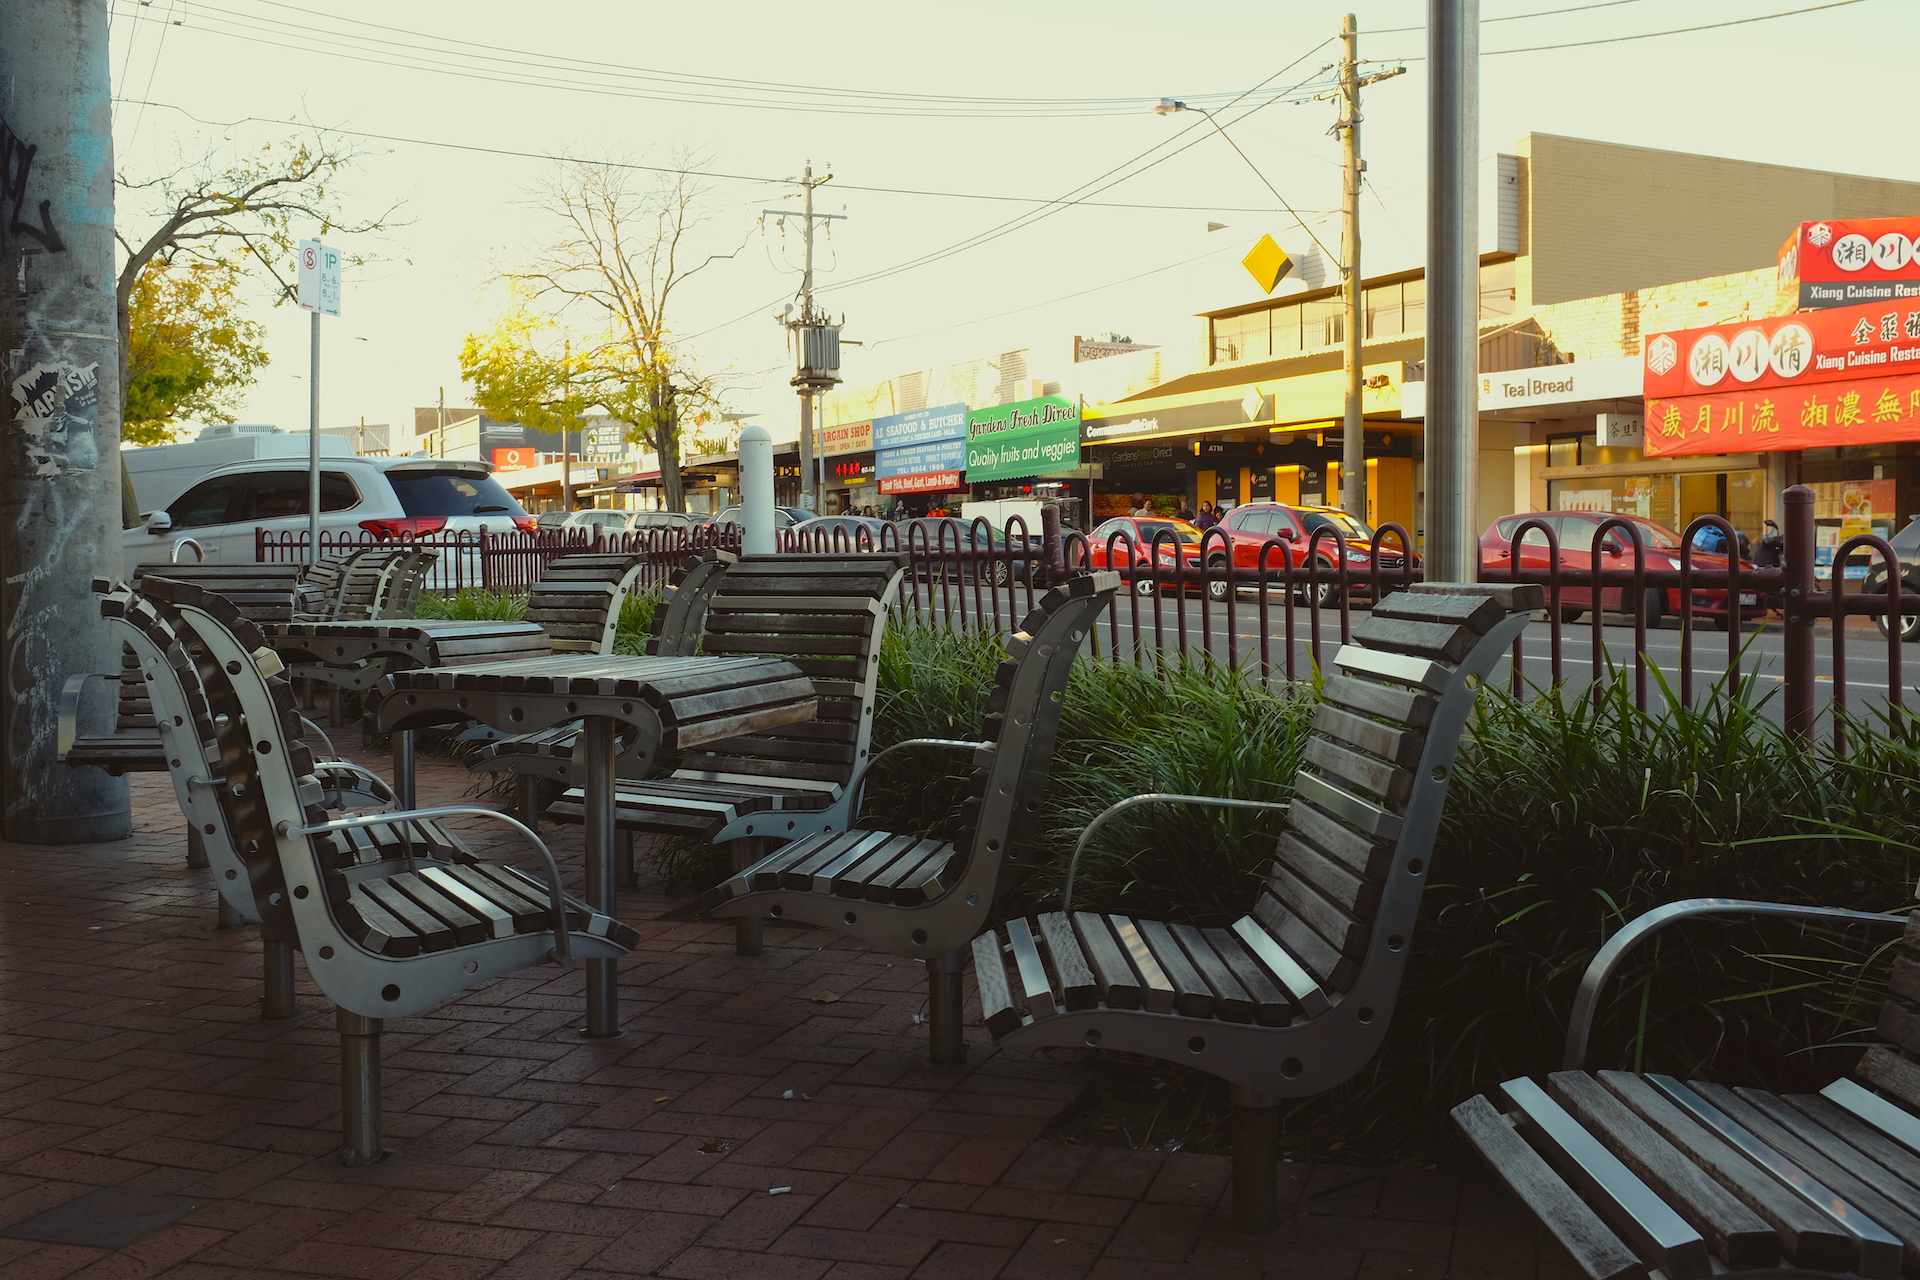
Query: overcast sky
1809	90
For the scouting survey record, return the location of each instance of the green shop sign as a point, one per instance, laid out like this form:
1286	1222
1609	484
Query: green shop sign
1026	438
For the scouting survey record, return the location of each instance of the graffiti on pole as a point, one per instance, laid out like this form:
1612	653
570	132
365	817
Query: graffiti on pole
56	408
16	164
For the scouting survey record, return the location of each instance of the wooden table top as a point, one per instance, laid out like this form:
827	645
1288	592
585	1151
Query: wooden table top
682	702
431	642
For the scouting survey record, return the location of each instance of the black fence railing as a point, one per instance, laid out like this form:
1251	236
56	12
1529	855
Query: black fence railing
1277	607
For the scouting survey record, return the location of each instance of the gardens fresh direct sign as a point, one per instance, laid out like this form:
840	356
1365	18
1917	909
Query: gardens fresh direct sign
1026	438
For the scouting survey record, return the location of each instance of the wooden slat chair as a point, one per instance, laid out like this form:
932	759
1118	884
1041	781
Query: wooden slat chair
678	620
924	898
826	614
392	911
1634	1173
400	587
1295	997
262	592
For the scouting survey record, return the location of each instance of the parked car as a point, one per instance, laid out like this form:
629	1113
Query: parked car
829	533
606	518
1251	526
385	497
937	539
552	519
1906	545
1152	541
1574	532
642	520
783	517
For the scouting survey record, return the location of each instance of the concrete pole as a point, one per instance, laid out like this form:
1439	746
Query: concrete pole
756	490
1453	290
1353	440
59	463
313	437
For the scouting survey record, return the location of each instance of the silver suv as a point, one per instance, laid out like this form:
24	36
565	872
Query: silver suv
215	519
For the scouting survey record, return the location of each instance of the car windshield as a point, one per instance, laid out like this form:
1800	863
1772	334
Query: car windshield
452	493
1152	529
1653	535
1340	522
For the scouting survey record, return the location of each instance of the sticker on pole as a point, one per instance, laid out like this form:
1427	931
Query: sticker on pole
318	278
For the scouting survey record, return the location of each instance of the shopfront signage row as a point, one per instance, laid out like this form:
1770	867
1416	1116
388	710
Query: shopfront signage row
1844	261
1026	438
1838	345
1876	410
922	451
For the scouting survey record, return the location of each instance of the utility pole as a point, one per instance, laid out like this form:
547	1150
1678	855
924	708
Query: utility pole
440	436
1353	452
566	453
1453	289
816	342
60	473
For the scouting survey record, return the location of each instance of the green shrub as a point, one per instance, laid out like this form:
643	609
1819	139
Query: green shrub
473	604
636	622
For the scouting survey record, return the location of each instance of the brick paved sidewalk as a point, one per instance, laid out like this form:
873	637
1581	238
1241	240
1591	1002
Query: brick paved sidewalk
132	1055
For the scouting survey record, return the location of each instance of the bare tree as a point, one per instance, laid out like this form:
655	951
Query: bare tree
617	269
233	213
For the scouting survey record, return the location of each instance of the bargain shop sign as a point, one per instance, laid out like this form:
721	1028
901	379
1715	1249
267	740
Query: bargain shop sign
1026	438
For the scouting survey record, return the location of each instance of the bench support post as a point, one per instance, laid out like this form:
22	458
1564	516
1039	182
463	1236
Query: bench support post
625	874
402	745
1256	1155
225	917
196	846
530	802
746	929
603	993
947	1045
359	1088
277	959
336	705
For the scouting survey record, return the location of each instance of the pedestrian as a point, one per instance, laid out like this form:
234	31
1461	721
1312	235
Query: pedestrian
1206	519
1142	507
1184	513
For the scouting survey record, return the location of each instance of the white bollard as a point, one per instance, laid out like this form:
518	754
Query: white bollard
756	490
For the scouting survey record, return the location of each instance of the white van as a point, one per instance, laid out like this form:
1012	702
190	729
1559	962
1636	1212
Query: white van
215	519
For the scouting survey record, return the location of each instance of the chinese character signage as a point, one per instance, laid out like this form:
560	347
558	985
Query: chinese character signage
1786	351
846	437
1869	410
1027	438
1845	261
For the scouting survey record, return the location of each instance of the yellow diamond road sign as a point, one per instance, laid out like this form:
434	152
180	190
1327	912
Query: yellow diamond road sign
1268	264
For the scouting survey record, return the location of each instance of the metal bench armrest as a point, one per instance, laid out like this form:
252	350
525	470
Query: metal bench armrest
857	785
1586	1004
562	953
69	726
360	769
331	749
1152	797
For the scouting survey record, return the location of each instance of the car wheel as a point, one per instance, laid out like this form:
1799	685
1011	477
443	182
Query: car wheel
998	573
1570	616
1217	588
1328	590
1144	586
1656	605
1907	626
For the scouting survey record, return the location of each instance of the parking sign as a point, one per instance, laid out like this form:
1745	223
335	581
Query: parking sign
319	278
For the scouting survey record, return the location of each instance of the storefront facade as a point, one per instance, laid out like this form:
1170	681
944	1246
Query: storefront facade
920	457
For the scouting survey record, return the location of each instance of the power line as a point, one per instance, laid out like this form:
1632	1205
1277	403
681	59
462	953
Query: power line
565	75
698	173
1515	17
1650	35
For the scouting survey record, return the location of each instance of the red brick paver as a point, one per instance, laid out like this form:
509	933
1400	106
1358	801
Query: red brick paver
132	1054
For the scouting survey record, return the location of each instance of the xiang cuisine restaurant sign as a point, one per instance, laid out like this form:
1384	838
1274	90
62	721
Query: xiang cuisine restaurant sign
1850	375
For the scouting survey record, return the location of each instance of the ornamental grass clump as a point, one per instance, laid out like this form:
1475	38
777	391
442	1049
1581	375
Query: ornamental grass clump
473	604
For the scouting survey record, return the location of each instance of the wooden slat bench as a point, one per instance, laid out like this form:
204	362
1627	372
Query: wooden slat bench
1639	1172
262	592
678	620
924	898
1294	997
392	911
826	614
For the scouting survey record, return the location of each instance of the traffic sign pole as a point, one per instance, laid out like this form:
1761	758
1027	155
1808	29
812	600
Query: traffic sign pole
318	291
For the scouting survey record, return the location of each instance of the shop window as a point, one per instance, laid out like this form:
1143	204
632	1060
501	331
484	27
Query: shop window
1382	303
1564	451
1413	306
1498	290
1242	337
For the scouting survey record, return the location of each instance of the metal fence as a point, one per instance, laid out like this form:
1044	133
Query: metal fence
1276	608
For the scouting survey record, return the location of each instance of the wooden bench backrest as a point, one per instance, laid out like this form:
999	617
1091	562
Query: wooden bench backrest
261	592
578	599
400	588
680	618
1355	830
1023	719
825	614
1895	1066
363	577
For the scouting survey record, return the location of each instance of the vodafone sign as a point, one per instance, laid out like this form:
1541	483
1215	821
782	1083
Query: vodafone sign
514	459
1819	346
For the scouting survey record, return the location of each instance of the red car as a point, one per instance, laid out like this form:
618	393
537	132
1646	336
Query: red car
1574	530
1253	525
1140	533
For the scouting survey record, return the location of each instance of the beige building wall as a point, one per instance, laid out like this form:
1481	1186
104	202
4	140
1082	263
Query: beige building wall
1611	325
1608	219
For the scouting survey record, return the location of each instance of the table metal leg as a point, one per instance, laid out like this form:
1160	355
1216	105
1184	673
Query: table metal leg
625	874
277	960
744	852
402	740
603	998
196	846
530	801
359	1088
336	702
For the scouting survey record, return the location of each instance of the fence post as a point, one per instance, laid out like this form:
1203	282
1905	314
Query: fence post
486	568
1051	544
1796	506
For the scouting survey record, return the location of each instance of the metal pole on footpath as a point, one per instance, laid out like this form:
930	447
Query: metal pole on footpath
313	438
59	465
1453	290
1796	514
756	490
